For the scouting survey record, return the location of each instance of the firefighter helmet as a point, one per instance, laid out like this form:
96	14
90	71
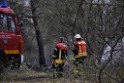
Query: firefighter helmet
77	36
61	39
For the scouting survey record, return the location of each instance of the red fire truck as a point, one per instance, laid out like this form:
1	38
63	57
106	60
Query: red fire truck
11	39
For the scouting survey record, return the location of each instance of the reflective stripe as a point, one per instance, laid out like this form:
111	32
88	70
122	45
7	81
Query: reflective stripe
53	56
60	54
55	49
59	61
80	50
82	42
80	55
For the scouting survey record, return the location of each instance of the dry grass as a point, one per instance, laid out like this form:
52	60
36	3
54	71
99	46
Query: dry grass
87	74
24	75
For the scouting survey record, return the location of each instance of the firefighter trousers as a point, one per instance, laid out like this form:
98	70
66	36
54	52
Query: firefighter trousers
58	70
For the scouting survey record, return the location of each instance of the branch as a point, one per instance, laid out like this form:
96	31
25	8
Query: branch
104	4
107	62
77	13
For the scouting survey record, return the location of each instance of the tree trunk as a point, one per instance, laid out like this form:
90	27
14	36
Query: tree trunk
38	34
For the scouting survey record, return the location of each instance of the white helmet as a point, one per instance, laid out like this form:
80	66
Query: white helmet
77	36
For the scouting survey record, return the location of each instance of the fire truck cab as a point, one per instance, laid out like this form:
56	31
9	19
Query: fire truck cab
11	39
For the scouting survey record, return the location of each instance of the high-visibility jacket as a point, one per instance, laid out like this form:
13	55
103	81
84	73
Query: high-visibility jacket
80	49
60	53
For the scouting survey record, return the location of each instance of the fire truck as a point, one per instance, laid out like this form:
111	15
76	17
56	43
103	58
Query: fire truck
11	39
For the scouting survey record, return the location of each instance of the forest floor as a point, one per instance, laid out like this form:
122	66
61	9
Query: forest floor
28	75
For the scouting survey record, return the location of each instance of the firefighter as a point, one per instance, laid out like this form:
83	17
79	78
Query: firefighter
79	50
59	58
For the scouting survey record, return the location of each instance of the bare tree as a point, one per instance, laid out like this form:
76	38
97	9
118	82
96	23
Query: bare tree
37	31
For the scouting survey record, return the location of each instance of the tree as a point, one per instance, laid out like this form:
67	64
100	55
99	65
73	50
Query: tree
37	31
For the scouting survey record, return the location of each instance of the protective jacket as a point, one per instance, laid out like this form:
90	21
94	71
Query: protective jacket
60	53
79	49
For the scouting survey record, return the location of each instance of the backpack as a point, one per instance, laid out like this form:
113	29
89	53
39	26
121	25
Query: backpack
62	46
81	48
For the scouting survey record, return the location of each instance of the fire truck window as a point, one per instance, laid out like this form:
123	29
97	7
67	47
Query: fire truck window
7	23
11	24
3	22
